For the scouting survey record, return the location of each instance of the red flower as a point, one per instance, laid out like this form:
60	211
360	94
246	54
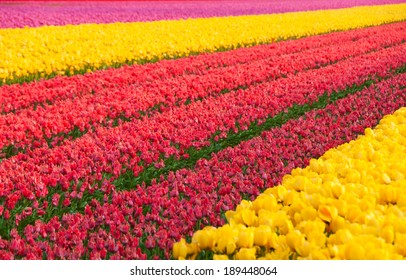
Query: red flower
150	242
55	199
66	202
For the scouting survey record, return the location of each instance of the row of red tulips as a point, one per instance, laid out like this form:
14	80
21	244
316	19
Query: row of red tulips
76	166
17	97
145	221
31	127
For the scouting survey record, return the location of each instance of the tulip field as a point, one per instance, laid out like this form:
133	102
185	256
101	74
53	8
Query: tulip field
203	130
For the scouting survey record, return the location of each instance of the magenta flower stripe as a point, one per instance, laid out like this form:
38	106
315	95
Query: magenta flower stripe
32	14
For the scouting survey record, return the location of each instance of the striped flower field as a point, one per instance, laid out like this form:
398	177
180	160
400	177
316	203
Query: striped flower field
203	130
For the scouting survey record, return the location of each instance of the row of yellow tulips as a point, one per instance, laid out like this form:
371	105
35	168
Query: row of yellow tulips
50	50
348	204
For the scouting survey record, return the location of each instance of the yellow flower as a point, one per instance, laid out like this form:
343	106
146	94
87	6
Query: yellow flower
246	238
220	257
294	239
354	213
226	238
281	253
205	238
246	254
308	214
265	202
266	217
317	238
282	223
338	223
180	249
389	194
231	247
400	244
377	254
327	213
261	235
354	251
336	187
343	236
319	254
248	217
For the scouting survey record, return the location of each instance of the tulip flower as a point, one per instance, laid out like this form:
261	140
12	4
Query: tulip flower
246	254
180	250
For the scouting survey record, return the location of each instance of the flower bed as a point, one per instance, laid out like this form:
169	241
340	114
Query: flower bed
76	12
32	53
17	97
145	221
178	159
51	124
146	143
348	204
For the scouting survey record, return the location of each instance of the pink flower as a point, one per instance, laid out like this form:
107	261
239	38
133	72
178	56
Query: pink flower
66	202
55	199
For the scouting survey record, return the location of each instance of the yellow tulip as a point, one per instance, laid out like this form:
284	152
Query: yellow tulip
317	238
205	238
261	235
180	249
354	213
309	213
220	257
246	254
318	254
294	239
231	247
303	249
336	187
327	213
400	244
248	217
246	238
354	251
226	237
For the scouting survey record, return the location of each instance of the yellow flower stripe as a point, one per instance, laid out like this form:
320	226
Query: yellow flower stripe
48	50
348	204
